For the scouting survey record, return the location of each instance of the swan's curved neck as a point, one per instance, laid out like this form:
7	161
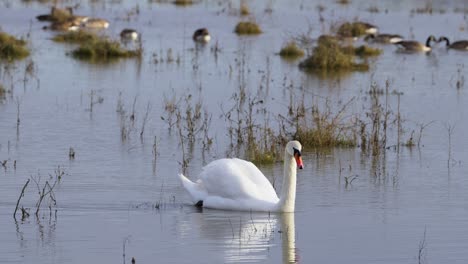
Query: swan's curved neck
288	190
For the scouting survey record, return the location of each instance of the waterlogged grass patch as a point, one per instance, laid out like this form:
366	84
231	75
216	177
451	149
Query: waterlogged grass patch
324	137
354	29
366	51
247	28
183	2
102	50
12	48
329	55
291	50
78	37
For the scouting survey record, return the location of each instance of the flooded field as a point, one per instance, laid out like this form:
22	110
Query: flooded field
103	142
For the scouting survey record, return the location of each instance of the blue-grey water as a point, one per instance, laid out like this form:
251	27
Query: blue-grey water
115	194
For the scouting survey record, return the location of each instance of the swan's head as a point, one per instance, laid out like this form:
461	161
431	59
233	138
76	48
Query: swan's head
294	149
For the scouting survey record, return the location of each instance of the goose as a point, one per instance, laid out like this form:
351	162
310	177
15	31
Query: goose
369	28
412	45
236	184
56	14
383	38
96	23
62	26
458	45
201	35
129	34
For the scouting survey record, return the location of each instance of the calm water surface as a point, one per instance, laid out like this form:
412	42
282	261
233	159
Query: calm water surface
114	193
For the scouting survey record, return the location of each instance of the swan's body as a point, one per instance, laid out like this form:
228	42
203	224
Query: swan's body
201	35
235	184
384	38
411	45
458	45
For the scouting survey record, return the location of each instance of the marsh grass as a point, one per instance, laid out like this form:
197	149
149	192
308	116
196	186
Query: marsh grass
324	129
3	92
183	2
354	29
362	51
244	9
247	28
329	55
291	51
104	50
12	48
78	37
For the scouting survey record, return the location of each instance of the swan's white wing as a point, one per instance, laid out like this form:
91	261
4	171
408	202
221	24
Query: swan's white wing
238	180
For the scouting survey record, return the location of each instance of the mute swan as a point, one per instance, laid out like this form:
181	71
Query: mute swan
235	184
411	45
201	35
458	45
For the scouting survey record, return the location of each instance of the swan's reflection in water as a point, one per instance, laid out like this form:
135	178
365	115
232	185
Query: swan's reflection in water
245	237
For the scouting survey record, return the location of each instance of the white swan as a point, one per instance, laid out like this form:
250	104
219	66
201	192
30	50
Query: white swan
235	184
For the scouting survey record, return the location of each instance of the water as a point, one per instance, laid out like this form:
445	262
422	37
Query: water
114	193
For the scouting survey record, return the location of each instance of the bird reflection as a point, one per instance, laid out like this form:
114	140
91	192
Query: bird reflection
247	237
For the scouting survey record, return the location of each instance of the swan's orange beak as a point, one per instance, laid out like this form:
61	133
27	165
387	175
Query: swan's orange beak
298	158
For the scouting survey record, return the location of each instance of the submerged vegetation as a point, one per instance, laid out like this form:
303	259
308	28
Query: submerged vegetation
12	48
247	28
291	50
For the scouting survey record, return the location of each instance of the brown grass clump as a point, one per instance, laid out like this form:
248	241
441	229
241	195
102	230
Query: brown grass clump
183	2
2	92
78	37
12	48
102	50
329	55
244	9
354	29
247	28
291	50
362	51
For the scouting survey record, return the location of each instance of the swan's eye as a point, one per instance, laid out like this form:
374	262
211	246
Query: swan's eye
297	152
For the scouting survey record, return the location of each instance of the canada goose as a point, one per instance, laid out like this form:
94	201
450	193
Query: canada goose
370	29
56	14
63	26
129	34
412	45
96	23
201	35
458	45
383	38
79	20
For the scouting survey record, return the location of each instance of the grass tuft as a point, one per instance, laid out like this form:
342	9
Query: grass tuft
362	51
78	37
102	50
329	55
291	50
247	28
183	2
354	29
244	9
12	48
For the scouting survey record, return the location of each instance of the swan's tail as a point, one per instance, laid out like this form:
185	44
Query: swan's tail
195	190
